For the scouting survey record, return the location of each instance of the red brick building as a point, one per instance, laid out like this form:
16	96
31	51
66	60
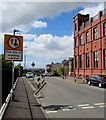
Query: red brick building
90	44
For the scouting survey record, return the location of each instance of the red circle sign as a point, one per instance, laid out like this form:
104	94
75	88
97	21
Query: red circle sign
14	42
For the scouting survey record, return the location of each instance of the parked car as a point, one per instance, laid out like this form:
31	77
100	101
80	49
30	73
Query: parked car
100	80
29	75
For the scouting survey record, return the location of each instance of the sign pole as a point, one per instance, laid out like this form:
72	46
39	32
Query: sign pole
12	74
12	79
13	70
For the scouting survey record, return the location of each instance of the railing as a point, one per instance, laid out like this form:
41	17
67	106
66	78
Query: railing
9	97
104	12
81	27
95	18
87	23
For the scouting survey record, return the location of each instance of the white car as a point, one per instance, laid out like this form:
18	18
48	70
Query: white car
29	75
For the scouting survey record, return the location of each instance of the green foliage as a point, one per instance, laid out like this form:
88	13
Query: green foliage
36	73
23	74
20	69
61	70
49	70
5	63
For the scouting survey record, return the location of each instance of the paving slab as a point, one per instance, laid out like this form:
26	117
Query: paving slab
24	103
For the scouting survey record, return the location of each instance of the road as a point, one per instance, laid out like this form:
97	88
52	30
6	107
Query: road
65	99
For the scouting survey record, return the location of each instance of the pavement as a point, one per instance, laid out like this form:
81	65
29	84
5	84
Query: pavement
71	79
24	104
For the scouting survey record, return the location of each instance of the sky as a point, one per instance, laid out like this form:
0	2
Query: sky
47	27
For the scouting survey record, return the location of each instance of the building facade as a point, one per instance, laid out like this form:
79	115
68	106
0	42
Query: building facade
90	44
66	66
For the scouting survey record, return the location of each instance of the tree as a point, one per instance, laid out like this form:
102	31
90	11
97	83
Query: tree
49	70
20	69
61	70
5	63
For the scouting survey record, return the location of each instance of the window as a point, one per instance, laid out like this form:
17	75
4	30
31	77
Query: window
87	60
95	59
104	58
95	33
87	37
80	61
80	40
76	61
104	27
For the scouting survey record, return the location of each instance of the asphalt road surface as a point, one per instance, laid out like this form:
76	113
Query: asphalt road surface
65	99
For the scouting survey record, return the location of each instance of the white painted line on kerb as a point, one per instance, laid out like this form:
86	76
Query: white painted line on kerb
87	107
31	86
83	105
99	103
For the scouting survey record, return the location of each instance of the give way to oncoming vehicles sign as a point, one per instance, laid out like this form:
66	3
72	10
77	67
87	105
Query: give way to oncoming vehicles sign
13	48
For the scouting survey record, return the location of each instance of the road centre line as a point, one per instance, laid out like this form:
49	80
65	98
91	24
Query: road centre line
88	107
83	105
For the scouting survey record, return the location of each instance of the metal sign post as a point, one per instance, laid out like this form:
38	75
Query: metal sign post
13	51
12	79
33	64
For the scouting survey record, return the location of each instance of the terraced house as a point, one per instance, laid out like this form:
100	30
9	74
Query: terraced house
90	44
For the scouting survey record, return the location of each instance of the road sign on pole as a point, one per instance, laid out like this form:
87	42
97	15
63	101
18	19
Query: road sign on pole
33	64
13	47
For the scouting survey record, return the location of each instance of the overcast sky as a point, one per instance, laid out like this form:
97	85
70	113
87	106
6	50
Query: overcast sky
47	27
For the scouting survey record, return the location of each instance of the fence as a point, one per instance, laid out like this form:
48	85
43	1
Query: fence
7	81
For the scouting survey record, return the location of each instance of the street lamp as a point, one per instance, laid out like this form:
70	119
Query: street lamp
14	31
25	58
33	64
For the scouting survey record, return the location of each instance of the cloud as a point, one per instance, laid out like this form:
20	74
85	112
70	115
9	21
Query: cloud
47	46
29	37
52	1
39	24
93	10
20	14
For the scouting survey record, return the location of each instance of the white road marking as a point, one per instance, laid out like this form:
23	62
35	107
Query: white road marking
51	111
33	88
102	106
83	105
99	103
66	109
87	107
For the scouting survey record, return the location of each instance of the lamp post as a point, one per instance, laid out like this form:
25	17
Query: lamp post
33	64
14	31
25	58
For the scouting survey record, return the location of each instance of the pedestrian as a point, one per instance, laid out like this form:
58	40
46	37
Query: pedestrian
75	78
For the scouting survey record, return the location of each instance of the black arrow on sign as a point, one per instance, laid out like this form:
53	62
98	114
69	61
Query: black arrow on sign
15	44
